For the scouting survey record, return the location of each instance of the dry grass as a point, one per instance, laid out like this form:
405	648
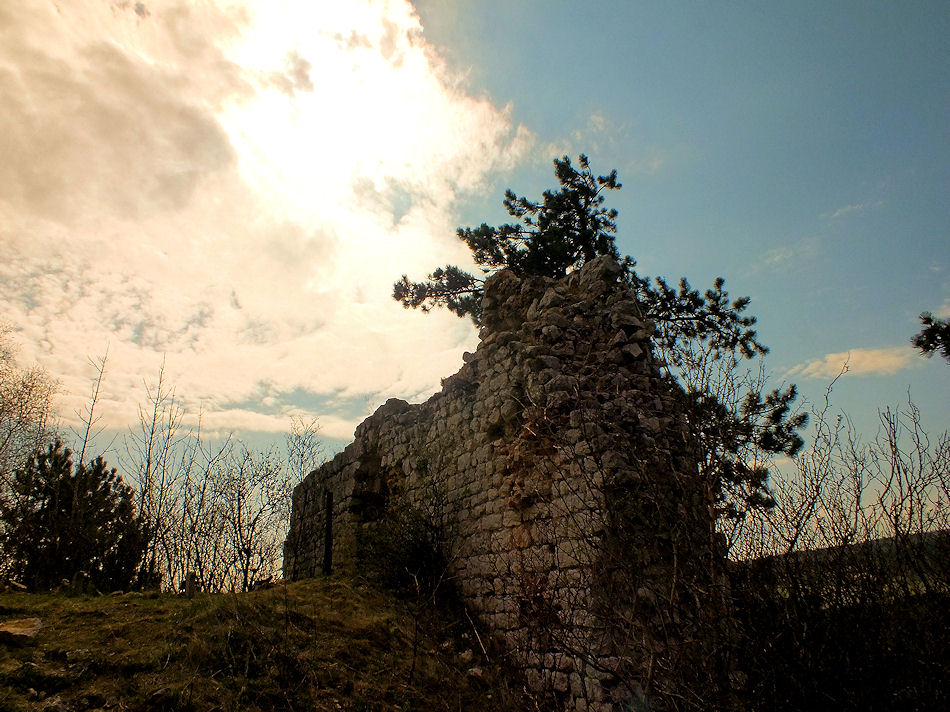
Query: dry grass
312	645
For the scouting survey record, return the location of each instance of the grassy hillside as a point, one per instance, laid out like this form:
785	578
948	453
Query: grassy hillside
312	645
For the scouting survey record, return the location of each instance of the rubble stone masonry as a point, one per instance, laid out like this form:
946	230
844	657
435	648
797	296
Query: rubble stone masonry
580	531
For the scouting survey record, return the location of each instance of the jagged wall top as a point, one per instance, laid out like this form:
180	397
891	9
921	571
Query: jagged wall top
508	302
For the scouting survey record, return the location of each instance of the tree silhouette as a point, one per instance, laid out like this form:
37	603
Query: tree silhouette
61	521
565	229
702	337
934	337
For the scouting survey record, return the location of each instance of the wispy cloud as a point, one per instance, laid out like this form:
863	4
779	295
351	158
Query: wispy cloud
604	135
884	361
234	187
853	209
779	257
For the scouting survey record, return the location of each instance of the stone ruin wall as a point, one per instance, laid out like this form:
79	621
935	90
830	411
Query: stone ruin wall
580	532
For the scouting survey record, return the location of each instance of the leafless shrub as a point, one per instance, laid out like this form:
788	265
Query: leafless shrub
25	408
841	590
219	509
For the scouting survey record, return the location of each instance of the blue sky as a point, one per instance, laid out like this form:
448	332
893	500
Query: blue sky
232	188
800	150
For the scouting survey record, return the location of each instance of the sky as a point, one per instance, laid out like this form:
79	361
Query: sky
231	188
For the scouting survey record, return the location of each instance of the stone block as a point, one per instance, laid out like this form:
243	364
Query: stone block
493	522
511	518
522	537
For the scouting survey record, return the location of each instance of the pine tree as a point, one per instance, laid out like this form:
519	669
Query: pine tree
702	337
60	521
934	337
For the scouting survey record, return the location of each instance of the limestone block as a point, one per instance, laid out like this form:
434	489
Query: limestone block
492	522
560	681
522	536
632	350
551	298
603	268
511	518
560	662
577	685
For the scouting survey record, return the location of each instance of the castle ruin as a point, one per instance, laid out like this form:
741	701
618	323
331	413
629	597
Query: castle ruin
580	532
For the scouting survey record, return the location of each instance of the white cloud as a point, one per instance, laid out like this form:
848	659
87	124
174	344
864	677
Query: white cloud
601	134
234	187
779	257
858	362
847	210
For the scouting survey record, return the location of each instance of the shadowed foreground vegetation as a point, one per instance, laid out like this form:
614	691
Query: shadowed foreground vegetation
314	645
864	627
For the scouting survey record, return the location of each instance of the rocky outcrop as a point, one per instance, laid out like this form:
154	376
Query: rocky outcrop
580	531
22	631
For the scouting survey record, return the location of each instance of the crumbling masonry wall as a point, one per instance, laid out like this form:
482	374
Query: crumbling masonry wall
581	531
